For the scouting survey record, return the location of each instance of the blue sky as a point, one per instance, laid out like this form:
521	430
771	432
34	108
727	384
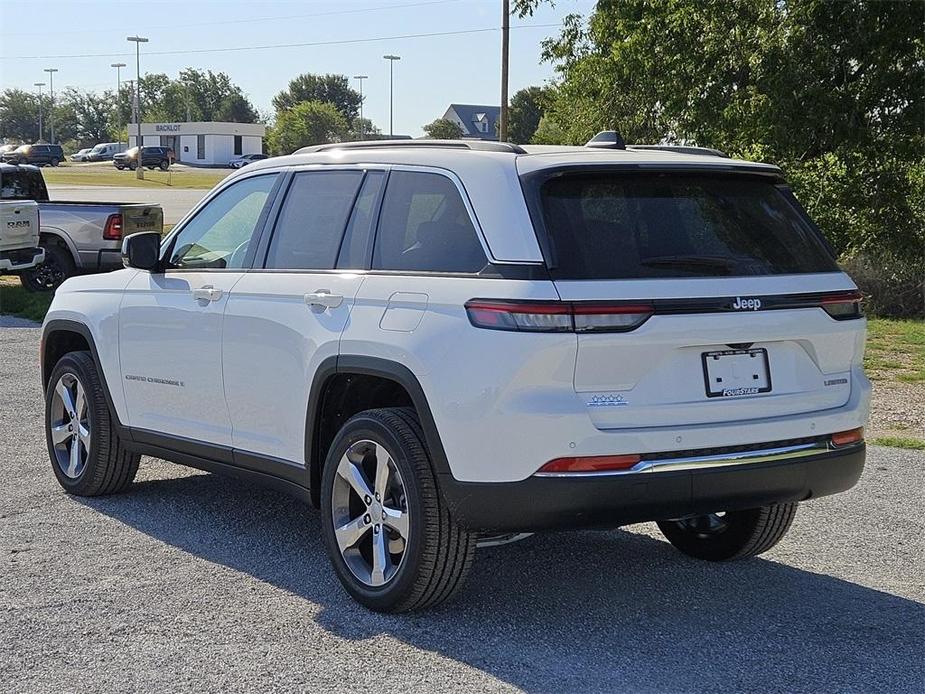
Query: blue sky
433	71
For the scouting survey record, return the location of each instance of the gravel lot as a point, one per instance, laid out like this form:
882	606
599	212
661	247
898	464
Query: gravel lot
192	582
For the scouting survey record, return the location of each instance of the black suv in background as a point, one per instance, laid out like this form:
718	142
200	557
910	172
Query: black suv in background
35	154
152	157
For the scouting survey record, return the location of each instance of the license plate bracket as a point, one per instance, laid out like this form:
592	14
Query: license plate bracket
736	372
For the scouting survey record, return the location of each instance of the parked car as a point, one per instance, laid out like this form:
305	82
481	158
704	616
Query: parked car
151	157
35	154
447	343
76	237
105	151
7	148
245	159
19	225
82	154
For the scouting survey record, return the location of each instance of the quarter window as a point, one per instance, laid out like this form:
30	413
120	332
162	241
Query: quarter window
425	226
219	236
311	223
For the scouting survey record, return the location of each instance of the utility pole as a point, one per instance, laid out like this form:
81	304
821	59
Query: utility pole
118	67
138	40
360	79
391	59
51	87
505	41
40	85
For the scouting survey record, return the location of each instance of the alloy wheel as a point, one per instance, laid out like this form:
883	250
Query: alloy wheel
69	421
371	520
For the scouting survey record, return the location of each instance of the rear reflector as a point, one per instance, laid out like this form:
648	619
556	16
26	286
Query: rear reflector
556	316
843	438
843	306
113	229
597	463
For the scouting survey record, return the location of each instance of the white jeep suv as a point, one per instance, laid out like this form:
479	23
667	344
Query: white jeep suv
445	343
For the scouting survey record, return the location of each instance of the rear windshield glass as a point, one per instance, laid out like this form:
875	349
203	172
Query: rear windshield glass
24	184
618	226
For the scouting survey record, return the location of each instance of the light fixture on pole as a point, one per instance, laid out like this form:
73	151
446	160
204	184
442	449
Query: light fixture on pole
51	112
360	79
138	40
118	67
391	59
40	85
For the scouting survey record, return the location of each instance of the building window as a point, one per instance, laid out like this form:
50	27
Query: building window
237	144
200	146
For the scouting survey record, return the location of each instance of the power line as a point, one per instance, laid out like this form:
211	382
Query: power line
235	49
270	19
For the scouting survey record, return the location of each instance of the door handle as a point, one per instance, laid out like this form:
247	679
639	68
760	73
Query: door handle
324	298
207	293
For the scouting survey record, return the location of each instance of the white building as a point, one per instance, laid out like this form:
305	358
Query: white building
206	144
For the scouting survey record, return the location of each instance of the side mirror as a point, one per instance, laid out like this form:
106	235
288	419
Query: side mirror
142	251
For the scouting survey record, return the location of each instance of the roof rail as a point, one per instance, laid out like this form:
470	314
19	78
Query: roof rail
474	145
607	139
684	149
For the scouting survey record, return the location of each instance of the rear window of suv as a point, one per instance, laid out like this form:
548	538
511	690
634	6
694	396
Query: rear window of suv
629	226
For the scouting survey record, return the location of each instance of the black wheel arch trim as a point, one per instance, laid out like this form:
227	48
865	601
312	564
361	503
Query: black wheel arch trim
368	366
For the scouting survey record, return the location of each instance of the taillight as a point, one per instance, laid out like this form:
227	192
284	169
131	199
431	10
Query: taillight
844	438
594	463
113	229
556	316
843	306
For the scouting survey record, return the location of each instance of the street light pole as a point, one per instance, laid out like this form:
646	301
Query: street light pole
51	88
118	67
40	85
138	40
360	79
505	42
391	59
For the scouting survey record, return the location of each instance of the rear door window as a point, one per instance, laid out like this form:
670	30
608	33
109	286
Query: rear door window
624	226
311	224
23	185
425	226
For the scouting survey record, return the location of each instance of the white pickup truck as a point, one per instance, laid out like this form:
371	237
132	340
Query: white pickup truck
19	236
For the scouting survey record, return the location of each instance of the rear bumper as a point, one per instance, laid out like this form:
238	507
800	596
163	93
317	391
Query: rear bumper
548	503
21	259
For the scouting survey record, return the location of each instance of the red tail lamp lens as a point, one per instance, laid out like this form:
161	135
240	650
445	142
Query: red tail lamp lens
594	463
843	438
556	316
843	306
113	228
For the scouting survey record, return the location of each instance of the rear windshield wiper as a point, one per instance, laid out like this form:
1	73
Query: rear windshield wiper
693	261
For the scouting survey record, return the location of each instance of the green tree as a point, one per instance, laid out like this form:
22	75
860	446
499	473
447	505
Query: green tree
443	129
329	89
364	129
526	110
832	90
307	123
19	115
548	132
88	116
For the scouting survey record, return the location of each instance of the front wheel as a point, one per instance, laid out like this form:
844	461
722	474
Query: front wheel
723	536
87	455
388	532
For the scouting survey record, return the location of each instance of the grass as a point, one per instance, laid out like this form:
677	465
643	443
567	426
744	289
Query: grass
16	301
200	179
896	350
899	442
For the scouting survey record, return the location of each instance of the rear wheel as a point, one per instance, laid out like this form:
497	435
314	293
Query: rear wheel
58	266
87	455
165	165
132	166
723	536
388	532
55	162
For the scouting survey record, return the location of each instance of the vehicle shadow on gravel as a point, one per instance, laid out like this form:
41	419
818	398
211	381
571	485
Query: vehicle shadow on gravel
569	611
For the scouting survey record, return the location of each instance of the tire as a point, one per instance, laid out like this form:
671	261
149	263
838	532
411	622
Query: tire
434	554
164	165
121	168
132	166
101	464
733	535
54	162
58	266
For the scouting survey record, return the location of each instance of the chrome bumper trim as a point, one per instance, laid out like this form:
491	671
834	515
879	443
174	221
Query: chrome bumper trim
701	462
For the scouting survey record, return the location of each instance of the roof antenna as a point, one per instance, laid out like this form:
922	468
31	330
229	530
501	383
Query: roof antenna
608	139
